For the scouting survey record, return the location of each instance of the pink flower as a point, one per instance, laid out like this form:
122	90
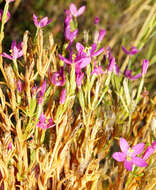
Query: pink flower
145	65
19	85
76	12
63	96
10	146
70	35
16	51
42	23
132	51
1	14
43	123
41	92
102	33
129	155
129	75
58	78
112	66
96	20
149	151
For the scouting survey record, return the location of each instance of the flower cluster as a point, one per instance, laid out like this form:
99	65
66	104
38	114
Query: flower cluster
43	124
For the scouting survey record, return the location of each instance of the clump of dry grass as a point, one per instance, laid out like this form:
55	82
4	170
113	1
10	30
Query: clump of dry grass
76	152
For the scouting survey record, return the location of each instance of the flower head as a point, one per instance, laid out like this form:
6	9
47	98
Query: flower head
149	151
43	124
41	92
129	75
16	51
145	65
1	14
76	12
58	78
19	85
132	51
10	146
96	20
102	33
129	155
42	23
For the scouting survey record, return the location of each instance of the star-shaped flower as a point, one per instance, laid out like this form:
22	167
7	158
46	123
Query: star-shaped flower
16	51
129	155
42	23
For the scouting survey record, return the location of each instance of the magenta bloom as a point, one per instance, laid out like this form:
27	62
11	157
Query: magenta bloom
132	51
58	78
41	92
129	75
129	155
70	35
16	51
10	146
1	14
63	96
42	23
43	123
102	33
149	151
19	85
76	12
145	65
96	20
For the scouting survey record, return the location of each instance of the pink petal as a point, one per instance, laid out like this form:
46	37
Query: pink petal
96	20
13	44
149	151
98	52
81	10
128	165
43	22
132	51
93	48
138	148
79	47
10	146
64	59
84	62
35	20
7	56
119	156
124	145
154	145
49	21
145	65
101	34
73	9
139	162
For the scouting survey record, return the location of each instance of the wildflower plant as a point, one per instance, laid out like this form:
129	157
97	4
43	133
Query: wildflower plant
64	112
